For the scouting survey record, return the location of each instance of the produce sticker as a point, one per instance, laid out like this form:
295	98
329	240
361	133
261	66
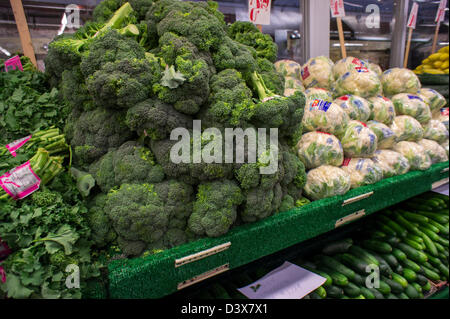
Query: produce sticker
320	105
337	8
14	146
259	11
20	181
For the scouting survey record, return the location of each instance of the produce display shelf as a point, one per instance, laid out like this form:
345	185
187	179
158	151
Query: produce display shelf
441	294
166	272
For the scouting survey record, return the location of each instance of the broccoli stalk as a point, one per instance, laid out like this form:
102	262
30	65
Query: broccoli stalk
84	181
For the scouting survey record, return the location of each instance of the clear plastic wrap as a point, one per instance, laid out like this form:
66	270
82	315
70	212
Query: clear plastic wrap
442	116
445	146
435	130
318	94
292	85
416	155
347	64
325	117
326	181
399	80
433	98
362	82
376	68
386	137
382	109
318	72
355	106
435	151
317	148
358	140
289	68
391	163
362	171
406	128
412	105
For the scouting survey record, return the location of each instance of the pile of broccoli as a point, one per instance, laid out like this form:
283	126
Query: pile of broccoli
143	68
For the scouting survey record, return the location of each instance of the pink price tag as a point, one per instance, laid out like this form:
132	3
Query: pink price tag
14	146
20	181
2	274
13	63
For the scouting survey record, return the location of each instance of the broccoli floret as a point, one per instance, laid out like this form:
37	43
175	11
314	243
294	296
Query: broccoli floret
178	52
109	47
105	10
156	119
60	260
95	132
247	33
145	212
141	7
123	83
74	90
45	198
230	102
102	232
215	208
130	163
234	55
287	204
273	80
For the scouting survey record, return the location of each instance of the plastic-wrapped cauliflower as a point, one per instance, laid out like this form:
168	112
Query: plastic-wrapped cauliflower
386	137
433	98
318	72
436	131
445	146
288	68
391	163
292	85
442	116
347	64
375	68
318	94
399	80
325	117
406	128
356	107
326	181
317	148
362	171
412	105
382	109
415	154
362	82
359	140
436	152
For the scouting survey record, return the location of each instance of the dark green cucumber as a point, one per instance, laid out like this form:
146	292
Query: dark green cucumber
440	248
384	288
440	218
362	253
400	255
442	241
376	293
408	263
421	279
411	292
402	295
426	287
391	296
398	269
433	260
416	218
430	274
415	238
385	228
352	290
385	269
430	227
400	279
407	225
334	292
359	297
338	278
412	253
332	263
443	270
377	234
321	292
315	295
340	246
353	262
400	231
390	259
430	246
442	228
359	280
413	244
417	286
377	246
367	293
433	236
409	274
395	286
392	240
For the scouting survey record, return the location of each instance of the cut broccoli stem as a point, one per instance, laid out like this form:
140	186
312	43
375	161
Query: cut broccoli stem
119	17
130	30
84	181
263	92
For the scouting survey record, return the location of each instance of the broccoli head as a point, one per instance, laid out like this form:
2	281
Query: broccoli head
123	83
141	7
130	163
74	90
95	132
142	214
273	80
102	232
215	208
45	198
247	33
105	9
156	119
234	55
193	71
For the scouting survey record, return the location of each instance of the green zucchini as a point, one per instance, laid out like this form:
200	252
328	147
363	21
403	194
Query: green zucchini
390	259
377	246
332	263
400	255
367	293
334	292
411	292
395	286
400	279
340	246
412	253
362	253
351	290
409	275
408	263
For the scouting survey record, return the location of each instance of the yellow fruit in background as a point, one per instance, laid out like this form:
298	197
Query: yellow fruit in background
444	65
419	68
444	57
435	57
417	72
426	61
437	64
427	66
434	71
443	50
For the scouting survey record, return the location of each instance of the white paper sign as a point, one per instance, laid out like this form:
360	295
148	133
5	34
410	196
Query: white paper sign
413	16
337	8
288	281
259	11
441	11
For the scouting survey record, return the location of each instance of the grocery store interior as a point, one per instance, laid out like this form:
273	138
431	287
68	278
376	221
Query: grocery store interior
119	179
